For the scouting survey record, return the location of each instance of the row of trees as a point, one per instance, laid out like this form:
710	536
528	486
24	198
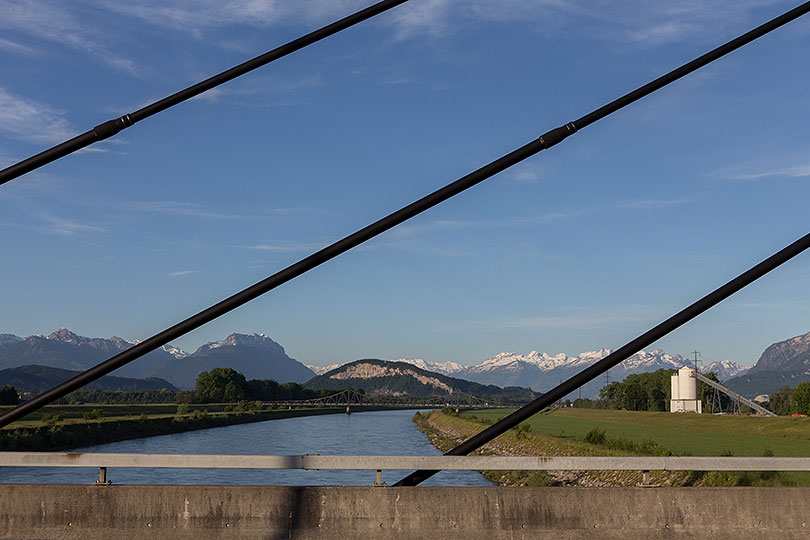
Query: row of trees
652	392
227	385
219	385
127	398
789	400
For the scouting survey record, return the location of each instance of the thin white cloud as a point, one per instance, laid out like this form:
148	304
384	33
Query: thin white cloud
32	120
631	21
283	248
648	204
61	23
181	273
17	48
64	227
797	171
262	85
194	16
526	173
190	209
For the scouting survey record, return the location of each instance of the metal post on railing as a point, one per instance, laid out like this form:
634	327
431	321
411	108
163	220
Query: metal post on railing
102	477
379	482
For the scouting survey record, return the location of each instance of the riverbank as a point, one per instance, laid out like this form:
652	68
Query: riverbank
65	435
446	431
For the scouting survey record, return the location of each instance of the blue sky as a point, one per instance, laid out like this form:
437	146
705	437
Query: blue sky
582	247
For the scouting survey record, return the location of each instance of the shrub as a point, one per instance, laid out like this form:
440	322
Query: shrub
95	414
595	436
521	430
50	419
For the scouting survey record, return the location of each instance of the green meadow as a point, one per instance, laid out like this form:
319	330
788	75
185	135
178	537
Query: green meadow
680	434
75	413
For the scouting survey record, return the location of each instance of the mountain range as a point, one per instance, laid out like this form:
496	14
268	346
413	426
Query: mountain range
256	356
259	357
541	371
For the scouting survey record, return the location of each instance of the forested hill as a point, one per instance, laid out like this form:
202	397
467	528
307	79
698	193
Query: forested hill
43	378
380	377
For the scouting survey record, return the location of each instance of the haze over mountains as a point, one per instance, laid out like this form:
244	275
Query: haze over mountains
256	356
39	378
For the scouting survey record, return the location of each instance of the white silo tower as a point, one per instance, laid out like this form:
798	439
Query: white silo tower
684	392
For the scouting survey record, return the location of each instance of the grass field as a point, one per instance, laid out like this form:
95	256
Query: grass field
681	434
75	413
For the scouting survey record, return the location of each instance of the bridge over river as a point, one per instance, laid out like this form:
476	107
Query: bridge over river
243	482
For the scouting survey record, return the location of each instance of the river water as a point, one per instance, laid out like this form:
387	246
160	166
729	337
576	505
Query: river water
370	433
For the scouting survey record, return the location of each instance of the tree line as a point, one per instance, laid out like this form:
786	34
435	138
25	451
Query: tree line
647	392
219	385
787	400
652	392
228	385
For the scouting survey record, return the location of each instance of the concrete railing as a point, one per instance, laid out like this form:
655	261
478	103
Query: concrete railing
338	462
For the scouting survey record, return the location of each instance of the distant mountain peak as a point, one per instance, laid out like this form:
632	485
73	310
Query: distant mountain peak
396	378
64	335
369	369
724	369
244	340
9	338
256	356
445	368
789	355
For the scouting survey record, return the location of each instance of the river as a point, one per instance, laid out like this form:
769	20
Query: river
371	433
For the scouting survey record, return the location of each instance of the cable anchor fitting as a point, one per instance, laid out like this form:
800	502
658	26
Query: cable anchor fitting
555	136
111	127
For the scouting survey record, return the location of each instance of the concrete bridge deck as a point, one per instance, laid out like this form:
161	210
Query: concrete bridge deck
449	513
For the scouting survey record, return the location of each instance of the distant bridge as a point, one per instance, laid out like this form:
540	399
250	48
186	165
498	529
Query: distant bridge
349	398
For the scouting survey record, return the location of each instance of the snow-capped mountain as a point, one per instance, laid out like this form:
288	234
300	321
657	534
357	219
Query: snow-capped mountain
542	371
445	368
725	369
320	370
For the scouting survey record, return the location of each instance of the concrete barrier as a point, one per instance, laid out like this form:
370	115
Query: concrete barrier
449	513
